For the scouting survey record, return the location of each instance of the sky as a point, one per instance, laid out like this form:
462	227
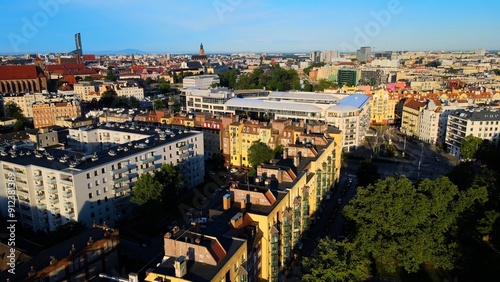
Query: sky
168	26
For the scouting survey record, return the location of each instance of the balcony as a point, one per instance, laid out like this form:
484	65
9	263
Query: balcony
20	173
24	201
67	181
37	176
54	200
69	213
55	211
119	180
51	180
41	206
22	192
121	189
52	190
68	205
184	147
147	169
119	170
40	197
67	194
147	160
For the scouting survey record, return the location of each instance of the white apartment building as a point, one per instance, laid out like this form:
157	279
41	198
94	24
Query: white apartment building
130	91
207	100
203	81
429	122
25	101
480	122
53	187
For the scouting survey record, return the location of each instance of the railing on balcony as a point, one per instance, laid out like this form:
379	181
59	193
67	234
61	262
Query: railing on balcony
147	169
54	200
69	213
55	211
68	205
51	180
41	206
52	189
37	176
147	160
67	181
20	173
67	194
119	170
40	197
119	180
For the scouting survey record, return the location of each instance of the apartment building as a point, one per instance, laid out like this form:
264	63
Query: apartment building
84	89
429	121
267	216
383	107
352	116
411	116
92	179
46	114
25	101
479	122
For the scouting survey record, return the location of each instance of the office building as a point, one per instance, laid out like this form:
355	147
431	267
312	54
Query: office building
203	81
364	54
348	76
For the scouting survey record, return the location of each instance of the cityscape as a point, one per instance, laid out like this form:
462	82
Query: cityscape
258	141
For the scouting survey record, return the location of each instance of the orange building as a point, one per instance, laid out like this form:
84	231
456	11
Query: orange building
46	114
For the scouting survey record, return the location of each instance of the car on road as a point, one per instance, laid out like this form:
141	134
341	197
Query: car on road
438	159
234	170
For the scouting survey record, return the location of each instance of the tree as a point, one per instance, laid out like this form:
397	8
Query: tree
367	173
405	225
337	261
259	153
13	110
147	190
170	178
164	87
148	80
110	75
470	146
108	99
158	104
134	102
496	71
433	64
228	78
486	223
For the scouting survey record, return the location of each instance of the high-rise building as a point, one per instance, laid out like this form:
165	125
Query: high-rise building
364	54
329	55
315	56
348	76
78	45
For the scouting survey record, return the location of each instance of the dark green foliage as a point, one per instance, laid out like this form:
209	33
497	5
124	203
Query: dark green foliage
259	153
367	173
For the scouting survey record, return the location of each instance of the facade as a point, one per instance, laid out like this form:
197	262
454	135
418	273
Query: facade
16	79
92	179
352	116
383	107
83	257
204	81
482	123
348	76
429	122
46	114
364	54
207	100
25	101
410	119
84	89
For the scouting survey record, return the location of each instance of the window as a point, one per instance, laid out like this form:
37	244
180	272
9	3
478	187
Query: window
88	175
103	170
95	172
90	195
92	214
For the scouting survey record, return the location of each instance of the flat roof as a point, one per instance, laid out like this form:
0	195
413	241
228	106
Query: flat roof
351	102
274	105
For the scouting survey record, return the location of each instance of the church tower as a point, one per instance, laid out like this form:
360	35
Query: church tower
202	52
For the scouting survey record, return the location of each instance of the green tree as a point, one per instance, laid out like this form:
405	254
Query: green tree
108	99
259	153
148	80
13	110
367	173
170	178
148	194
496	71
164	87
470	146
110	75
158	104
406	225
485	226
337	261
134	102
228	78
433	64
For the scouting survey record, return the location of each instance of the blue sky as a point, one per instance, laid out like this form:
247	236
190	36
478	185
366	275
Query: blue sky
167	26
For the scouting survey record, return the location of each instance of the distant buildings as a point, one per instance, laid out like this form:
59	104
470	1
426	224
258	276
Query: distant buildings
364	54
17	79
200	81
46	113
348	76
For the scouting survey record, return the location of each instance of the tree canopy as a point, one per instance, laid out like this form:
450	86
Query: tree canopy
367	173
259	153
470	146
277	79
158	104
170	178
110	74
337	261
228	78
406	225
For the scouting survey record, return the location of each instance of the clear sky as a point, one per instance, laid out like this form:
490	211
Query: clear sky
168	26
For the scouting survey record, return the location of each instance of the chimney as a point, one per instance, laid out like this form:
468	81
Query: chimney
267	183
296	159
226	202
285	153
180	267
243	204
258	179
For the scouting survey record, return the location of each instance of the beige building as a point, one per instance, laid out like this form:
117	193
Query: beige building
46	114
410	120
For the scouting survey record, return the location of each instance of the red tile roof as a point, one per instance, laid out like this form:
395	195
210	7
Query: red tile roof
20	72
414	104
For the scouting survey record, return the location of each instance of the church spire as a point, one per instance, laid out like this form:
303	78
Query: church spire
202	52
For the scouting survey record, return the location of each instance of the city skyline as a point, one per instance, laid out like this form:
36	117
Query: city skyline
236	26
